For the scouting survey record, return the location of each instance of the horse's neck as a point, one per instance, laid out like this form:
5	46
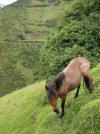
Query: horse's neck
67	81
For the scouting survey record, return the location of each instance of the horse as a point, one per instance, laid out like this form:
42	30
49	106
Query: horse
68	80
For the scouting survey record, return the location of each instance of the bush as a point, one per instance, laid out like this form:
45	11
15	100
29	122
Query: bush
76	34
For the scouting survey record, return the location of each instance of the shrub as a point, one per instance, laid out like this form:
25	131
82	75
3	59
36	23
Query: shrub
76	34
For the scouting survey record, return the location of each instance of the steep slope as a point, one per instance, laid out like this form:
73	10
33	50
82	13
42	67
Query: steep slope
24	27
28	112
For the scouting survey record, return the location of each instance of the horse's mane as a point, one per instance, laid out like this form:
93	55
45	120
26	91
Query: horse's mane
55	84
59	79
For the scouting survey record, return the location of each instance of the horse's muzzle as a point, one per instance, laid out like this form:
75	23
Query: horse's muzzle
56	111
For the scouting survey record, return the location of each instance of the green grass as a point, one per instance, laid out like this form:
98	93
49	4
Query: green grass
49	12
28	112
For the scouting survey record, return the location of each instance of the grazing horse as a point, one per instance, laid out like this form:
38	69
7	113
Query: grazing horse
67	80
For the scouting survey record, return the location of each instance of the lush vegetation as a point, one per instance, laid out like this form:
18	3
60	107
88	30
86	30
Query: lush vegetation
30	52
76	34
23	35
24	26
27	111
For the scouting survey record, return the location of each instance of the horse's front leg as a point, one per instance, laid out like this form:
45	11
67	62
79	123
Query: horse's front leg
62	107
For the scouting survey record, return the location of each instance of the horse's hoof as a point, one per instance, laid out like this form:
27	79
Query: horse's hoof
75	97
90	91
56	111
61	115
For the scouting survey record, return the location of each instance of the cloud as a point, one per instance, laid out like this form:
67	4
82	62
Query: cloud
6	2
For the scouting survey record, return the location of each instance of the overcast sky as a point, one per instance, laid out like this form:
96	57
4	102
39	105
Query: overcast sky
6	2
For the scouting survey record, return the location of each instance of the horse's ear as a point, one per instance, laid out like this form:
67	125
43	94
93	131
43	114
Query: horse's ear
46	87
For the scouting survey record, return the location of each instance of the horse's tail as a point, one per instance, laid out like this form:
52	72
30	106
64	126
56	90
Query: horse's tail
86	81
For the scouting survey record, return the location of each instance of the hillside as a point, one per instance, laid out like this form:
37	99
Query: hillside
24	27
27	111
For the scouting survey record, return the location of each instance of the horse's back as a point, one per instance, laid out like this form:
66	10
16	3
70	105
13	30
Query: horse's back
84	65
80	60
74	70
78	63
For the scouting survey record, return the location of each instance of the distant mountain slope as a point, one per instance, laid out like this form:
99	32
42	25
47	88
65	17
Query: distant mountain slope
28	112
24	27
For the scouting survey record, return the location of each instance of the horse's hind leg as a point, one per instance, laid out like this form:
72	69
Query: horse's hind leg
88	80
88	83
77	92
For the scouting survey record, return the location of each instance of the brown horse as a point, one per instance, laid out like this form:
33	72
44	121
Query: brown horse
67	80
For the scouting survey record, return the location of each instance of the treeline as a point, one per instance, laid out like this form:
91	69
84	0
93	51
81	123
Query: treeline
76	34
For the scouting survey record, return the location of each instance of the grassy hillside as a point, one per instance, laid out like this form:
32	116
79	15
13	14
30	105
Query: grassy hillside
28	112
24	27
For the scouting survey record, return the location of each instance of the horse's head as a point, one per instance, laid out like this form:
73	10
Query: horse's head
51	93
52	90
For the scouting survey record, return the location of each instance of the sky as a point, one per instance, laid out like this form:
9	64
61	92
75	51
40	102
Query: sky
6	2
